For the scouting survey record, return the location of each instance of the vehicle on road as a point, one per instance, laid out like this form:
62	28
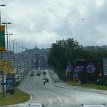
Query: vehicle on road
38	73
32	73
44	72
46	79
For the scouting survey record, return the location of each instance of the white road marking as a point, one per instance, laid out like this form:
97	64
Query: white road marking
50	101
59	99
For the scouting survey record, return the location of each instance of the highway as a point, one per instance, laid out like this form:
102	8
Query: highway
60	95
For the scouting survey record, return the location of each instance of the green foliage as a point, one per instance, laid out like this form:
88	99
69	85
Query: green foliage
88	85
63	51
69	50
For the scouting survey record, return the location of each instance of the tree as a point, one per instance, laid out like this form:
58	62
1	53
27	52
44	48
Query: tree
63	51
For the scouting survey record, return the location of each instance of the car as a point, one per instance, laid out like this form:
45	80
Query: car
31	74
44	72
38	73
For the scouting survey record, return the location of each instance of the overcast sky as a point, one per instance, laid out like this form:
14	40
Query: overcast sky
42	22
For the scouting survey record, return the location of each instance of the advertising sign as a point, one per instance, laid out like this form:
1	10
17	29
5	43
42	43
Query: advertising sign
6	68
10	85
1	64
105	66
91	68
68	69
2	38
11	71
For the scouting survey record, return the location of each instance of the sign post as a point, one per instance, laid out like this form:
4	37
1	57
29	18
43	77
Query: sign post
105	66
68	71
9	84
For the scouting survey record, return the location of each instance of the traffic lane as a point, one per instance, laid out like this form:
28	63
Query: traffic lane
82	95
55	95
51	96
41	93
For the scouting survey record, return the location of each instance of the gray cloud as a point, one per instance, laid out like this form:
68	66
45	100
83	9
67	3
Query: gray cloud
45	21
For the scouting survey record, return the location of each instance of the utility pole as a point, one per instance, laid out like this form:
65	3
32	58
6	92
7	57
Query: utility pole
2	30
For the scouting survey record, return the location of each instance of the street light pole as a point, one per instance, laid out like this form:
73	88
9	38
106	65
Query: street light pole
6	23
0	13
1	59
9	40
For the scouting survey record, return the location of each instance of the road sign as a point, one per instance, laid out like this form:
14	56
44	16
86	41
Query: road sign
68	69
6	67
9	84
1	66
105	66
2	38
91	68
11	70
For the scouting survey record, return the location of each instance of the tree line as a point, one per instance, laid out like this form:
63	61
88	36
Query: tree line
69	50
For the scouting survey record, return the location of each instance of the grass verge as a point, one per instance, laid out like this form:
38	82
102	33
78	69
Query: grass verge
88	85
17	97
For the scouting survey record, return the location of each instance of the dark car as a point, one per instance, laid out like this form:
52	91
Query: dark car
44	72
38	73
32	73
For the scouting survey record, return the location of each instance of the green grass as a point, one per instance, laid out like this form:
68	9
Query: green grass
17	97
88	85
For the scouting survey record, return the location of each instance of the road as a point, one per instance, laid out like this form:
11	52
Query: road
55	95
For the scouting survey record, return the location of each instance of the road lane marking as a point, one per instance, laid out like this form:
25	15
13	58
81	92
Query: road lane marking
59	99
50	101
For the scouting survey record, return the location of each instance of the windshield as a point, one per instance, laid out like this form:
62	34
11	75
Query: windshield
53	53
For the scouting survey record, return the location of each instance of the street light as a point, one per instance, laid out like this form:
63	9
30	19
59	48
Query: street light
2	56
6	23
9	40
0	12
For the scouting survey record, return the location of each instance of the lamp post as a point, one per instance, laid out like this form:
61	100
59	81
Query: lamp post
6	23
1	58
17	67
9	41
2	5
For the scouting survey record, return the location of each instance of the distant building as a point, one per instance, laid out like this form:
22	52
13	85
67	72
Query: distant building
95	48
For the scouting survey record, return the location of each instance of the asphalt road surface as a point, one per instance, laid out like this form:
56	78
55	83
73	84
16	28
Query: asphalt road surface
60	95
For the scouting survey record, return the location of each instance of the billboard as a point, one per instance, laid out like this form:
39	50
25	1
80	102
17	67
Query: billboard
2	38
10	85
11	71
6	67
1	68
105	66
87	70
91	68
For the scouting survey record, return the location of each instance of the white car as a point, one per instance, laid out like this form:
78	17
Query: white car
103	105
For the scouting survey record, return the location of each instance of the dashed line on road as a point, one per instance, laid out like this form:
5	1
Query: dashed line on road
59	99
